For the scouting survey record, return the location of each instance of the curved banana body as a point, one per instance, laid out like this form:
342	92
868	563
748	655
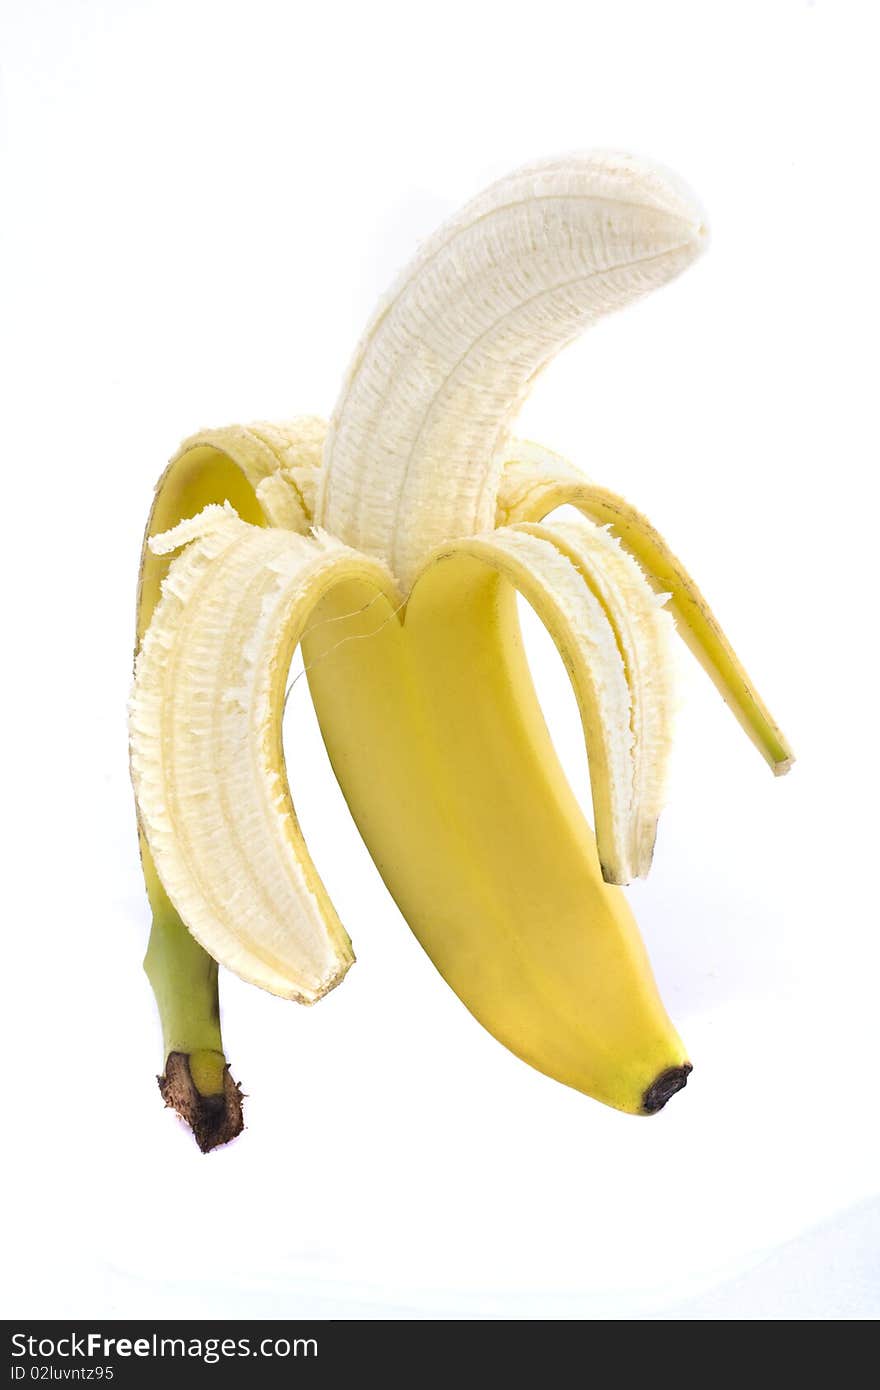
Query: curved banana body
496	869
429	521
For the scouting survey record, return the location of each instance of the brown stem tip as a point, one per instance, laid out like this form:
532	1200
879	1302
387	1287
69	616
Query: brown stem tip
214	1120
665	1087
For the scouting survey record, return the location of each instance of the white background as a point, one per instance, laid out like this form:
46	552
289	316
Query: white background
201	203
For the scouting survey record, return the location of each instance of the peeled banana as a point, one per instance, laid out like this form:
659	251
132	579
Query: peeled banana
391	544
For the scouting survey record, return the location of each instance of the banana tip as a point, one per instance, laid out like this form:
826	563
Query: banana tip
664	1088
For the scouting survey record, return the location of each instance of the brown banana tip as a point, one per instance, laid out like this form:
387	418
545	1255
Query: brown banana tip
214	1120
664	1088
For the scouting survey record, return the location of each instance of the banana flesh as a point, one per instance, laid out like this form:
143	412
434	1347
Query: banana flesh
452	350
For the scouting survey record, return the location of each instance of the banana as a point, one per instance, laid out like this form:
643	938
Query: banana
393	549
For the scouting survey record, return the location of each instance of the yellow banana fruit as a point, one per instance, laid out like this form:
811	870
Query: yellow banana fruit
393	550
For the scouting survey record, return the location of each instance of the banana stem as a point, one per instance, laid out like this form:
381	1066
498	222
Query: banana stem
196	1081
